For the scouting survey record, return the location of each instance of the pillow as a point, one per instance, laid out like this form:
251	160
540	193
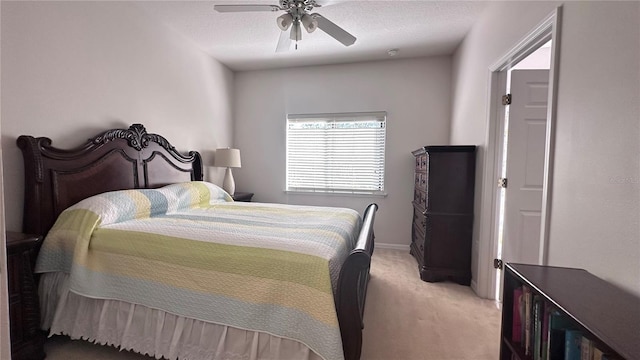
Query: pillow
117	206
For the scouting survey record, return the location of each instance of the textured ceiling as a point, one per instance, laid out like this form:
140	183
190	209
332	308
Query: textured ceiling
247	41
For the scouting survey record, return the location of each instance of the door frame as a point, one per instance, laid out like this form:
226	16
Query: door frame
548	29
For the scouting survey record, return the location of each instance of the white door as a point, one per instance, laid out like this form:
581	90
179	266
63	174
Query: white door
525	166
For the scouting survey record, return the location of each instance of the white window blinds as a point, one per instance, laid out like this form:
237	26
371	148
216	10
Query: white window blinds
336	152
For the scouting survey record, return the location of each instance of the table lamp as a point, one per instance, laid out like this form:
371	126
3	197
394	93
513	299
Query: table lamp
229	158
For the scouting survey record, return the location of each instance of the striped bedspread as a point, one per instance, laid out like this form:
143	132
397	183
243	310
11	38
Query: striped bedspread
188	249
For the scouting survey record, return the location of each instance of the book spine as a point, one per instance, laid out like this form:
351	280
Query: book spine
537	327
523	310
586	349
544	345
516	329
556	344
573	343
597	354
527	320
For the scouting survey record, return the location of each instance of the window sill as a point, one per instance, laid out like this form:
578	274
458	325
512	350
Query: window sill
334	193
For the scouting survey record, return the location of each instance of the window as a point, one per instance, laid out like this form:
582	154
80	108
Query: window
340	153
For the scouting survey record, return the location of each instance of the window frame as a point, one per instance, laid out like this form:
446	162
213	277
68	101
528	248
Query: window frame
328	191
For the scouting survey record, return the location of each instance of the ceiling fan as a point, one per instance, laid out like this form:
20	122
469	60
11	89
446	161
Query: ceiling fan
297	16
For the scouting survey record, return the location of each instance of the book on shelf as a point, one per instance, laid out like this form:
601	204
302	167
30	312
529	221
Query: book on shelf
564	341
541	328
572	344
537	327
544	345
597	354
601	355
527	319
586	349
555	350
530	323
518	309
557	324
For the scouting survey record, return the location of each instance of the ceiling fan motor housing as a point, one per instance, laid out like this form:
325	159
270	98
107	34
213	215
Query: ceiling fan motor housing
304	5
297	14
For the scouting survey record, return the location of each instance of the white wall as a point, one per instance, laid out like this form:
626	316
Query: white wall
72	69
596	186
414	93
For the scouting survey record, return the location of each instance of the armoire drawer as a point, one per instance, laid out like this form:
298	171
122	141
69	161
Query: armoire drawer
420	198
419	220
421	162
420	181
418	239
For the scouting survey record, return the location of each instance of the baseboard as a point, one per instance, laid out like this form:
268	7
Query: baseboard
392	246
474	286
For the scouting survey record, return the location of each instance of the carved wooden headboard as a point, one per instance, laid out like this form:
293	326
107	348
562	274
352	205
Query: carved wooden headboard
116	159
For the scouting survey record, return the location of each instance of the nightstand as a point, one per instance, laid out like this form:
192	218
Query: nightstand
242	196
27	340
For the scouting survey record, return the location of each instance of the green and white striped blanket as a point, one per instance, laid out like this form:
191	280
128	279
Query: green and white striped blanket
188	249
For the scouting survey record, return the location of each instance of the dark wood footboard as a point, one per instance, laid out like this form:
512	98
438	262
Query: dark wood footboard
352	287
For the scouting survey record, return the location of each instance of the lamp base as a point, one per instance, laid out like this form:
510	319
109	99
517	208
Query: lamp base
229	184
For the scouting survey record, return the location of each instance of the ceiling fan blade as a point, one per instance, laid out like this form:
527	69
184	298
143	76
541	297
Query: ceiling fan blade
284	42
334	30
245	8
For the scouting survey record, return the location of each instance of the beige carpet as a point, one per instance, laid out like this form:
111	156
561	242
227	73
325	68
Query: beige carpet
409	319
405	319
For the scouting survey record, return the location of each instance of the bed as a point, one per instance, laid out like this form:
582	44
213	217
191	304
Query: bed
123	164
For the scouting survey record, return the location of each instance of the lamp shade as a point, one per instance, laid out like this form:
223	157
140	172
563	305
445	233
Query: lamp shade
284	21
309	23
227	158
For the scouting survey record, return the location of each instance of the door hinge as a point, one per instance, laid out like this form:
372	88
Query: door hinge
502	183
506	99
497	264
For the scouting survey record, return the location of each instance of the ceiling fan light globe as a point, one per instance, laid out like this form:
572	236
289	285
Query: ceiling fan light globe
309	23
284	21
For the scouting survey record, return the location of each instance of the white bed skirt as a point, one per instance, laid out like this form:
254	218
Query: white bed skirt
154	332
